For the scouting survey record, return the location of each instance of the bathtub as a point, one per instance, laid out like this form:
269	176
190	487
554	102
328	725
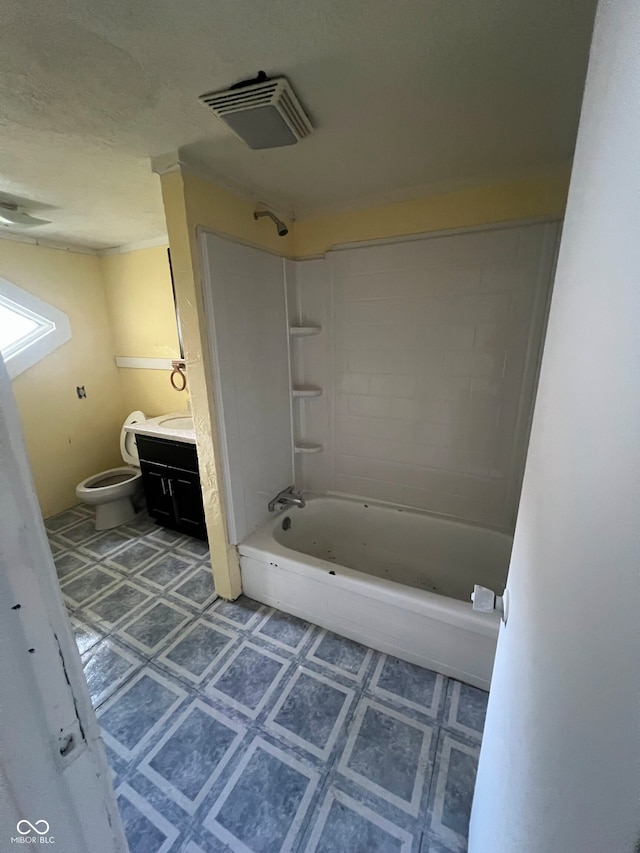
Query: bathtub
389	577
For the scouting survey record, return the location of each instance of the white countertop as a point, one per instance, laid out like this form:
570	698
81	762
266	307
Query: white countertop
157	429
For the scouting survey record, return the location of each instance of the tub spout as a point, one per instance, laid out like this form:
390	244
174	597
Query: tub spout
287	497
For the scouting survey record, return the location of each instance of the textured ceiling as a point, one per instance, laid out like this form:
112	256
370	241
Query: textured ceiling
403	95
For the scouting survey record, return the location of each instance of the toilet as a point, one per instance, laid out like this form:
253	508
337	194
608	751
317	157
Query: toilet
112	491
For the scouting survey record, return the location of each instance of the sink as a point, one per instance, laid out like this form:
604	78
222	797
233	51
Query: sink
177	422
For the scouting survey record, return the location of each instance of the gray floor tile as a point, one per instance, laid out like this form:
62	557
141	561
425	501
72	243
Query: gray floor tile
342	823
69	562
193	847
131	717
153	797
388	755
241	613
466	709
408	684
117	604
84	531
141	524
248	679
86	510
203	842
65	519
310	712
188	759
146	829
197	590
265	801
430	845
57	547
107	665
198	650
134	556
287	632
166	570
153	627
118	767
340	655
166	537
195	548
86	635
105	544
452	790
88	584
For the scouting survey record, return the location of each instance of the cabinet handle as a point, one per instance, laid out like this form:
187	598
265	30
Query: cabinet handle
164	488
170	489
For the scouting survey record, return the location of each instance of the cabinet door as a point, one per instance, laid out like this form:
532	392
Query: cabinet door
187	502
157	491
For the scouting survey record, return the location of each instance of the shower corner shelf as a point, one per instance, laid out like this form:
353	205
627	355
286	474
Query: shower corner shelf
304	331
306	391
308	447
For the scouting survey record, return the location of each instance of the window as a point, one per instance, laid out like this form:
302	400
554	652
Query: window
30	329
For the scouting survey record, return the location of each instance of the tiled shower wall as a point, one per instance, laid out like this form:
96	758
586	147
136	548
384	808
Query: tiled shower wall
428	360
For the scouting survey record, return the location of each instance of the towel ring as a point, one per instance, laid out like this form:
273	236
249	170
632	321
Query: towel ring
178	367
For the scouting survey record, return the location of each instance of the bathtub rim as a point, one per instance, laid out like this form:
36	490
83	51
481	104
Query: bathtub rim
407	509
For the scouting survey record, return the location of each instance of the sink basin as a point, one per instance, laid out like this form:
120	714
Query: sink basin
177	423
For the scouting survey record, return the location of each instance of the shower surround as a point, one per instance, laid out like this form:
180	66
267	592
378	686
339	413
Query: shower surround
428	360
407	387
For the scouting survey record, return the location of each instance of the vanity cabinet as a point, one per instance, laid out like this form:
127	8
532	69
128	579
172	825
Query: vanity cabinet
172	484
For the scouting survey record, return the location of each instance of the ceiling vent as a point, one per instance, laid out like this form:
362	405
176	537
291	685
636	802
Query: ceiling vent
264	113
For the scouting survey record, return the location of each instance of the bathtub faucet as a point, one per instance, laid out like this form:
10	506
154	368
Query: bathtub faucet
287	497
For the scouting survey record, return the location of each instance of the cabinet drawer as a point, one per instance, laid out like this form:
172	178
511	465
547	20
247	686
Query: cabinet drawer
174	453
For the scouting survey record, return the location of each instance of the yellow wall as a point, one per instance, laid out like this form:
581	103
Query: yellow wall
150	391
67	439
138	288
219	210
117	305
543	196
191	201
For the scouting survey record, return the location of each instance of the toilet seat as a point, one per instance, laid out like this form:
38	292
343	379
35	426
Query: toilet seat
128	446
107	479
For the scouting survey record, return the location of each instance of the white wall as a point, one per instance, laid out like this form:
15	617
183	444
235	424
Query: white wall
559	769
246	310
428	359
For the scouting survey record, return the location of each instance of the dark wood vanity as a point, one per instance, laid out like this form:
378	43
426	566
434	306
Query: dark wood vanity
172	484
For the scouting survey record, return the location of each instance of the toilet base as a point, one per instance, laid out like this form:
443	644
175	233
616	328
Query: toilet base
114	513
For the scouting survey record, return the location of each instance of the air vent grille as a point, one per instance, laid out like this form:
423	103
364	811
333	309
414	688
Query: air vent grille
264	115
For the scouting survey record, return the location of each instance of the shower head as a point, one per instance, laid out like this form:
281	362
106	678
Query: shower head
280	225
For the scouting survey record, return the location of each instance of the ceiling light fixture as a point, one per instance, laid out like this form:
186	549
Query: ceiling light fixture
11	216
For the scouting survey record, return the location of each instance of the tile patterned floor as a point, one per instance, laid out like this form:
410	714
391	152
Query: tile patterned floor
235	727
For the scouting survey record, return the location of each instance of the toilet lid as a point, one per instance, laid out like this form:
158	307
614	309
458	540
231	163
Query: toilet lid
128	447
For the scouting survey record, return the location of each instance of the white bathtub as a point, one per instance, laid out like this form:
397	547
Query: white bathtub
392	578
